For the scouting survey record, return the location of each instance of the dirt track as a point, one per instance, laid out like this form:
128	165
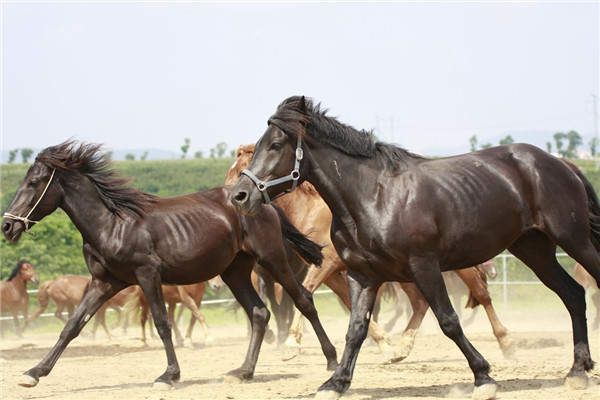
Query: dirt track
124	369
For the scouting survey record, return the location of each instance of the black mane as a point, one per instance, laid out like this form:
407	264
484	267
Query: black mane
297	116
90	161
17	269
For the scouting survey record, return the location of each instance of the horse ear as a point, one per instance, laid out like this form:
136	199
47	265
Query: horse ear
302	105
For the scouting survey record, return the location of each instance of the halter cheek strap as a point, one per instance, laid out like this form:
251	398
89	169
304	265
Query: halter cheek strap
262	186
26	221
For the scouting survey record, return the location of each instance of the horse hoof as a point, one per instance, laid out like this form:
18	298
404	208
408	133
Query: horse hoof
28	381
577	382
162	386
327	395
485	392
291	349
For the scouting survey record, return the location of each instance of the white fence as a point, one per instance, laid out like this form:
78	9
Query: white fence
500	259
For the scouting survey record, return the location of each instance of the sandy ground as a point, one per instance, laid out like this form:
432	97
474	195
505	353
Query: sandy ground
125	369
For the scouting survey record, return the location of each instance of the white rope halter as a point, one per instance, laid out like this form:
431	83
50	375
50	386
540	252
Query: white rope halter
26	221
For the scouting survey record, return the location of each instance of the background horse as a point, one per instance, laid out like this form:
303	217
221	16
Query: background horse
13	293
589	285
131	237
189	296
307	210
67	291
401	217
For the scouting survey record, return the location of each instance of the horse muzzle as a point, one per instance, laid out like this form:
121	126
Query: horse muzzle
245	197
12	229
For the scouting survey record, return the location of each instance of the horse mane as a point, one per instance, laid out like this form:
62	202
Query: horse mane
298	116
90	161
16	269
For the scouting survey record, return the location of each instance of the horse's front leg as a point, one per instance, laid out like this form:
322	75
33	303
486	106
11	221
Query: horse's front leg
363	300
150	282
98	293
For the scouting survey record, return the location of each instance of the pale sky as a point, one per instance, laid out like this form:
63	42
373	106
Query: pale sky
427	76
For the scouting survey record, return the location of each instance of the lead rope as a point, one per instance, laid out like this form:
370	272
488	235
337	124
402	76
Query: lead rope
26	219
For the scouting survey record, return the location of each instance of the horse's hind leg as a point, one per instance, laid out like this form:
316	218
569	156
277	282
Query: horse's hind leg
237	277
98	293
478	287
428	279
539	254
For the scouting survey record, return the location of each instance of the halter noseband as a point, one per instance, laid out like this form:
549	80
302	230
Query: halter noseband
262	186
26	221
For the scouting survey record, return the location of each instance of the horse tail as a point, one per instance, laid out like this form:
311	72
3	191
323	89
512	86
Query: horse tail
593	204
43	298
308	250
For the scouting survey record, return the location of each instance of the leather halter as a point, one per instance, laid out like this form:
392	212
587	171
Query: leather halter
26	221
262	186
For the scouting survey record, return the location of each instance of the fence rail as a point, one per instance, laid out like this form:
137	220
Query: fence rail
505	283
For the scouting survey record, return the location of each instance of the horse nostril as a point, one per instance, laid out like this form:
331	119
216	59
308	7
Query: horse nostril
240	196
6	226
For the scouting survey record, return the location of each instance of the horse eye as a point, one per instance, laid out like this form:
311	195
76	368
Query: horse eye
276	146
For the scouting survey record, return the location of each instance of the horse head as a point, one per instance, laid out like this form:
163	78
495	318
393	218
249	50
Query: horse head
28	273
37	196
243	156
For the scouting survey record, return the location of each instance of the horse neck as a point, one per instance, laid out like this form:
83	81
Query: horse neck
341	180
18	283
85	208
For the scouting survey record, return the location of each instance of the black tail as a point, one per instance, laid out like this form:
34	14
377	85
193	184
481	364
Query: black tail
593	204
308	250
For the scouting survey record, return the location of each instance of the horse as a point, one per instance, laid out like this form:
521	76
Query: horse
587	281
307	210
189	295
67	291
398	216
135	238
13	292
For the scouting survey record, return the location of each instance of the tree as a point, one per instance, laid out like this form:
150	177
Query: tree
129	157
185	147
558	139
199	154
144	156
574	140
221	149
473	142
507	140
12	155
486	145
25	154
593	146
549	147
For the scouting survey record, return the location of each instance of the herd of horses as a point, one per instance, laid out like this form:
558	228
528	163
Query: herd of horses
356	215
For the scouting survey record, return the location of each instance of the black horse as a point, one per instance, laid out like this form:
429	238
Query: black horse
401	217
131	237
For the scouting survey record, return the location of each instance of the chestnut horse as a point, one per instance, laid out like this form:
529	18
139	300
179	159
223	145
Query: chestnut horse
67	291
13	293
587	281
134	238
189	295
401	217
307	210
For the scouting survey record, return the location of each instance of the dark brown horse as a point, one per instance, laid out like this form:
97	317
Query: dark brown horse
309	213
13	293
134	238
401	217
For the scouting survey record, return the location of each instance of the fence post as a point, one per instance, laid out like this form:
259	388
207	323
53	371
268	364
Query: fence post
504	285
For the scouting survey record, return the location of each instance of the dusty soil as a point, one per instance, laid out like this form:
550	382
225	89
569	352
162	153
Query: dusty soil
125	369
